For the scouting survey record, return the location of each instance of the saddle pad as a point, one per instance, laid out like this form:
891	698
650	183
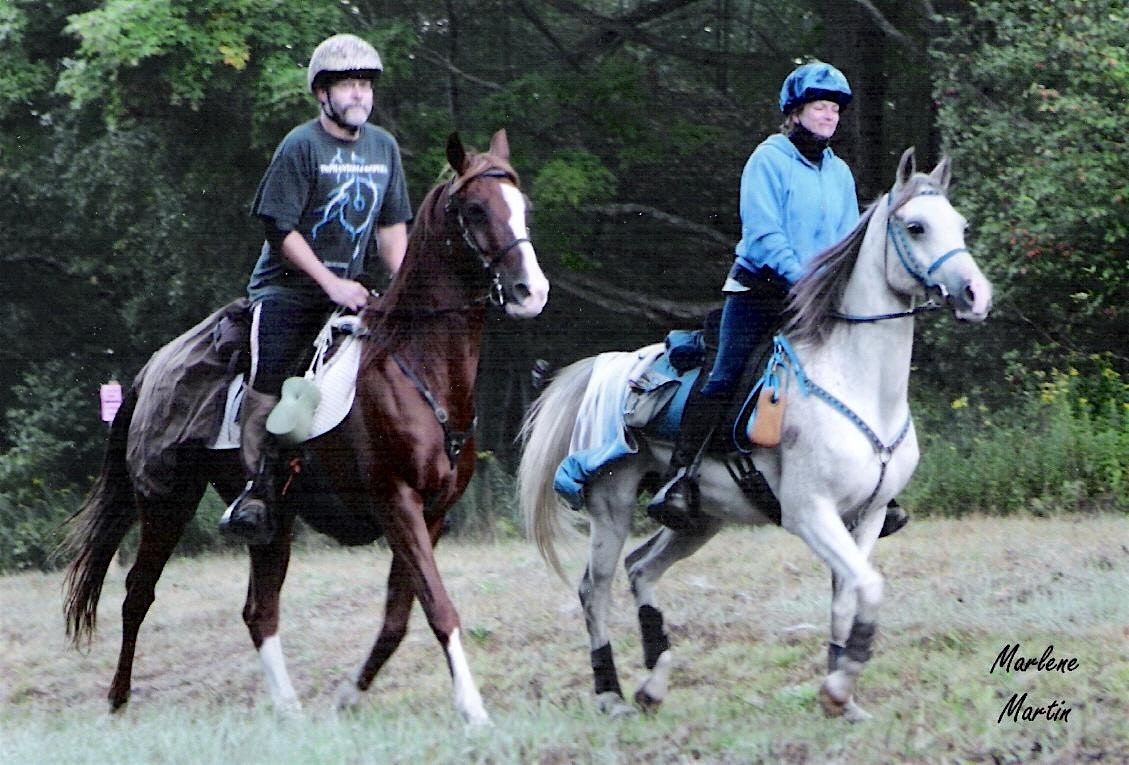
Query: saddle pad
337	380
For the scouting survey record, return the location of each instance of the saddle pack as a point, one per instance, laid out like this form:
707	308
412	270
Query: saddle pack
312	404
657	398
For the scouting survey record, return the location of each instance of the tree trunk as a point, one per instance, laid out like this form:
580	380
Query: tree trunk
857	46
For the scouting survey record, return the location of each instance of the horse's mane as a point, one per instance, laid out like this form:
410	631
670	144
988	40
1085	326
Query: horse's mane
817	294
390	319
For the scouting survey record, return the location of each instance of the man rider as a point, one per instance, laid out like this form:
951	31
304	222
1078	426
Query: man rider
334	184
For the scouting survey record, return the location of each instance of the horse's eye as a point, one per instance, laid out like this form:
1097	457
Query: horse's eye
474	214
914	228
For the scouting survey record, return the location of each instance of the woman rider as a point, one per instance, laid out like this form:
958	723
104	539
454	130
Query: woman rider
797	199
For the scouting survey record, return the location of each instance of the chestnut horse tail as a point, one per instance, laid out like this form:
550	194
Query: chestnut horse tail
97	529
545	435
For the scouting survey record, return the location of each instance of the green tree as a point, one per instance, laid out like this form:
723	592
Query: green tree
1033	102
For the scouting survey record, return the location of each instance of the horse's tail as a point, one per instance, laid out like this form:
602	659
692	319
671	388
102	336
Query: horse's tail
545	435
97	529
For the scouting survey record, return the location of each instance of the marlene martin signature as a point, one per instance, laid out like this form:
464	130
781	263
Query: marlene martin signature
1017	707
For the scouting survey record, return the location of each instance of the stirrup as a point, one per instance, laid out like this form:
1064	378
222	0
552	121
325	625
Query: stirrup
676	504
248	520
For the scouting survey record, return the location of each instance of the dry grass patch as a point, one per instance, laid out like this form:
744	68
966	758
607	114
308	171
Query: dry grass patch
748	617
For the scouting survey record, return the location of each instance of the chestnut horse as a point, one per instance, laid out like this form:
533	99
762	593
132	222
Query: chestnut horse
402	456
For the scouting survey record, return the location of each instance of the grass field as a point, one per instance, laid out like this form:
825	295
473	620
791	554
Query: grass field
748	618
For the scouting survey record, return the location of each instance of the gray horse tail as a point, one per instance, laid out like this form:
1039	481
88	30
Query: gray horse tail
97	529
545	436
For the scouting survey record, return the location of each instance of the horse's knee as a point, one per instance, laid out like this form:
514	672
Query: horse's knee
136	604
870	590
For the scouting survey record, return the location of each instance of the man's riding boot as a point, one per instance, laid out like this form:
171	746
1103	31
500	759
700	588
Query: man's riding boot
896	517
675	505
248	519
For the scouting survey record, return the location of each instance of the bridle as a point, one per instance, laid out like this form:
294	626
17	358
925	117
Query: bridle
896	233
490	259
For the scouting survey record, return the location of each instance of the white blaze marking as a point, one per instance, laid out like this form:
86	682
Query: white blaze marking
533	278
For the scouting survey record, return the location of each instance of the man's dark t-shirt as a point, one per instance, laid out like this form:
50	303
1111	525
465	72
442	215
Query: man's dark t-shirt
334	193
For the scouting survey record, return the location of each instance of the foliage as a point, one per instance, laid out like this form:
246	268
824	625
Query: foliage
130	51
132	135
39	473
1064	446
1033	100
488	509
21	79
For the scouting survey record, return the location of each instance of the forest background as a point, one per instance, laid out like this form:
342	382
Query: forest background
133	134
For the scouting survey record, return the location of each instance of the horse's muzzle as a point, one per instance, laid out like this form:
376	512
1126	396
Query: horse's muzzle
526	290
972	300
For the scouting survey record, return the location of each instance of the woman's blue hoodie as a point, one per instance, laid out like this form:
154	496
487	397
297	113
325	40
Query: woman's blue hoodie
792	210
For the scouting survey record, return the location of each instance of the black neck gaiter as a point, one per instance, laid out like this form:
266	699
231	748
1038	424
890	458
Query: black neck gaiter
808	143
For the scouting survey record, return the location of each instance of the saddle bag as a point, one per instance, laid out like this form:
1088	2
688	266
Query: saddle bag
764	427
650	394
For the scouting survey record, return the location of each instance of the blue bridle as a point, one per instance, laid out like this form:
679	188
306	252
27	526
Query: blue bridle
896	233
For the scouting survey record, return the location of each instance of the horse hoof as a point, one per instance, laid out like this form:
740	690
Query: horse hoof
646	702
652	692
348	697
832	707
612	704
288	709
835	694
478	720
852	712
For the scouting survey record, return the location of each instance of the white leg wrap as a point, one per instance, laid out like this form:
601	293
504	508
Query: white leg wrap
468	701
278	680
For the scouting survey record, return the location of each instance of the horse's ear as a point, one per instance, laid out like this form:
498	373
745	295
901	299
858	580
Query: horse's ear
500	145
906	168
456	154
942	174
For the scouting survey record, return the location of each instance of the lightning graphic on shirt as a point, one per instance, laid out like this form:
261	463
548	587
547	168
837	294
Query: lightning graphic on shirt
355	196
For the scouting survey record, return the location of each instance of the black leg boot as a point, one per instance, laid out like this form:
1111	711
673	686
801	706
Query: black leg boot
675	505
896	518
248	519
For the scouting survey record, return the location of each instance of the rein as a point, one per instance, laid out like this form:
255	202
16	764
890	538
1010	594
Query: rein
453	440
495	293
489	259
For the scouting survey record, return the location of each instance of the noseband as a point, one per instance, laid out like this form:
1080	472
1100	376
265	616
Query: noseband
489	259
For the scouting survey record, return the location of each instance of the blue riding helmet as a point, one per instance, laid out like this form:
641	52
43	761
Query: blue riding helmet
816	81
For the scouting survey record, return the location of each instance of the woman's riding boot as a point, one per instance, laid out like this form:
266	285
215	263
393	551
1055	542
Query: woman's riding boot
675	505
248	519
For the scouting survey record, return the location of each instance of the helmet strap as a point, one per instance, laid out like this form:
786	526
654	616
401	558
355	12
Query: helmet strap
328	110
